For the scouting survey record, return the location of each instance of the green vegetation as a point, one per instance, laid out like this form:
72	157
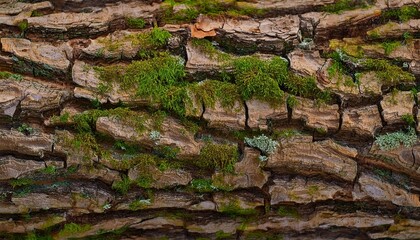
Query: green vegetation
383	173
167	152
394	140
51	170
122	186
292	101
285	211
208	7
36	13
158	80
139	204
285	133
202	185
64	118
6	75
263	143
389	47
23	25
135	22
25	129
21	182
344	5
221	157
260	79
72	229
205	46
386	72
150	42
211	91
409	119
222	235
402	14
233	209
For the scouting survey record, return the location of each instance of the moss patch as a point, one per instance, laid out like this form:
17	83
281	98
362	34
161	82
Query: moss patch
221	157
193	8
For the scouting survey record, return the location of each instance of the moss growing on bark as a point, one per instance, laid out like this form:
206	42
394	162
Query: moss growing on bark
220	157
215	8
387	72
260	79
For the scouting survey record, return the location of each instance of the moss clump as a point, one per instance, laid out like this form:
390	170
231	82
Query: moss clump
21	182
159	80
389	47
23	25
260	79
386	72
139	204
206	47
229	8
344	5
211	91
202	185
306	87
73	228
86	121
221	157
153	39
6	75
408	119
135	22
402	14
122	186
233	209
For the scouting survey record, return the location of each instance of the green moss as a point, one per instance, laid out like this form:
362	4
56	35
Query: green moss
36	14
389	47
122	186
23	25
215	8
374	34
135	22
409	119
159	80
218	156
344	5
139	204
206	47
26	129
202	185
6	75
305	87
51	170
21	182
386	72
211	91
403	14
72	229
167	152
383	173
222	235
233	209
291	101
260	79
285	211
285	133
